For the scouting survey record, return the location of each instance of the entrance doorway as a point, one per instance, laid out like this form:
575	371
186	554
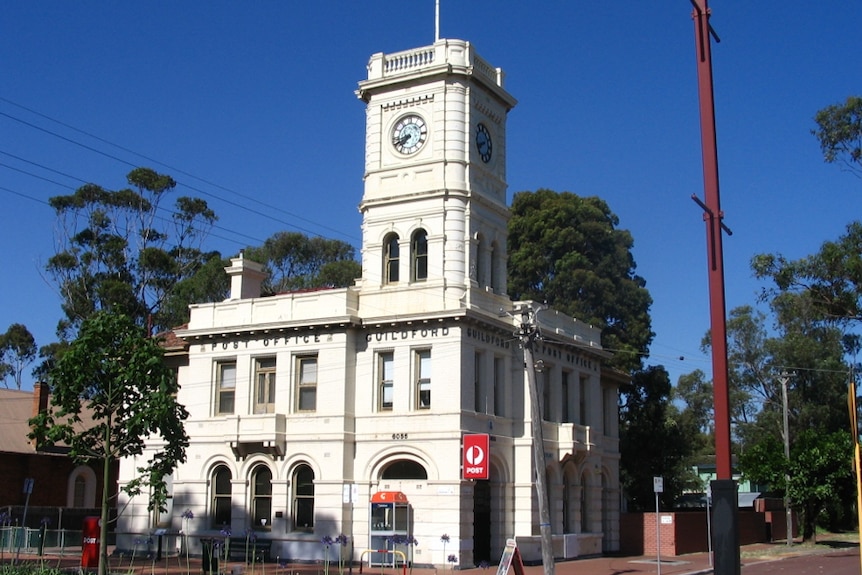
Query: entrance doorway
482	522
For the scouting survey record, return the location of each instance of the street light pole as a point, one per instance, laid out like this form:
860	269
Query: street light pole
528	334
784	378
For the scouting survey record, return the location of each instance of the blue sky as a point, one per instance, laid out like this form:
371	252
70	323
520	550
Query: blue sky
251	106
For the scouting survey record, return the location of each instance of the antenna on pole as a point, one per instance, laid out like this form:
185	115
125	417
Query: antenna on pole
436	20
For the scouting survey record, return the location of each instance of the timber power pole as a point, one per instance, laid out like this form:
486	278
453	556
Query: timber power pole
784	379
724	489
528	334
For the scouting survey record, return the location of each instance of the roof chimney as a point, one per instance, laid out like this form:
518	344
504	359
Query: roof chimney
40	398
246	278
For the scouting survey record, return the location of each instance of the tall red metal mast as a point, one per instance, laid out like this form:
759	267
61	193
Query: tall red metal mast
724	490
713	217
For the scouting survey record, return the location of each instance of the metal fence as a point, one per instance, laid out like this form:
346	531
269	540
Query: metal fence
32	540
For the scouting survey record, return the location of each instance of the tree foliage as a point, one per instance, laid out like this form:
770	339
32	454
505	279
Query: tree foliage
818	470
209	283
566	251
294	261
829	282
654	442
808	356
839	131
118	252
17	351
695	391
111	393
49	354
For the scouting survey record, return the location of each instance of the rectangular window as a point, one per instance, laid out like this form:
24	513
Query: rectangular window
225	387
582	400
306	383
610	411
545	378
385	380
264	392
478	396
423	378
564	401
499	382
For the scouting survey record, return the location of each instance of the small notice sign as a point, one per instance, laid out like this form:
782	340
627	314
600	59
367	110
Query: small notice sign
511	558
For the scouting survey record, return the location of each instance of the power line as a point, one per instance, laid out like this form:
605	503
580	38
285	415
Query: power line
172	168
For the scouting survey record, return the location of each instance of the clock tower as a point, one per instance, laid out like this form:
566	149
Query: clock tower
434	210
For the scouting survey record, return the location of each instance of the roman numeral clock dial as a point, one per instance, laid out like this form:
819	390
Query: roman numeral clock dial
483	143
409	134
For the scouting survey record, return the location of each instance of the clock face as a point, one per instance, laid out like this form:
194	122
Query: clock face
483	143
409	134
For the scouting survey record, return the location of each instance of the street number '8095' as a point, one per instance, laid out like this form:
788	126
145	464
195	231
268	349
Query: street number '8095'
399	436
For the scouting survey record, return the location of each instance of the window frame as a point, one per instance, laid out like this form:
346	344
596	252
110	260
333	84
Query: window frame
478	407
385	387
261	495
422	379
223	391
499	384
218	499
303	388
566	393
493	272
419	256
264	391
298	498
391	258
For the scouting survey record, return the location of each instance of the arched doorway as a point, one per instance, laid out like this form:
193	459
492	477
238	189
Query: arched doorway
482	521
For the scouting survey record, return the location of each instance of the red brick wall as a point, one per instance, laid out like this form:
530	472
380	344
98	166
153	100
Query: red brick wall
686	533
50	474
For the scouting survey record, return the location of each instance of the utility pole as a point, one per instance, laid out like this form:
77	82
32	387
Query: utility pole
784	378
528	334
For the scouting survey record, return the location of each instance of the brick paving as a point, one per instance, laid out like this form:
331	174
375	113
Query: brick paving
691	564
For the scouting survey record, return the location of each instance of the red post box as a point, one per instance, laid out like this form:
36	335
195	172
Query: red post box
90	543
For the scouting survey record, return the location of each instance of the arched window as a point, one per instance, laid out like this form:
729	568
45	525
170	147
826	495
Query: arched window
220	496
404	469
391	252
419	253
81	487
80	492
303	498
261	497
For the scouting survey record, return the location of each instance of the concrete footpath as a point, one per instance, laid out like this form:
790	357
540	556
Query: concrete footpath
691	564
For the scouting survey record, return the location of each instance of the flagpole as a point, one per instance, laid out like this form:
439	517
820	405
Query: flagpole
436	20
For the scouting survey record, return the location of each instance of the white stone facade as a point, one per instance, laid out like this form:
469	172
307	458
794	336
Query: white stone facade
304	405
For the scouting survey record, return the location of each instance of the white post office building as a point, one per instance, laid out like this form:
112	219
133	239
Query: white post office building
307	407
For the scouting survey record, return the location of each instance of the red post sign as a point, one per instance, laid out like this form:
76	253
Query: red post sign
90	542
474	459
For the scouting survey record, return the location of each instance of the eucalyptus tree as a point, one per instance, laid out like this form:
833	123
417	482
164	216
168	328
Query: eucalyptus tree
839	131
17	351
125	250
296	261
